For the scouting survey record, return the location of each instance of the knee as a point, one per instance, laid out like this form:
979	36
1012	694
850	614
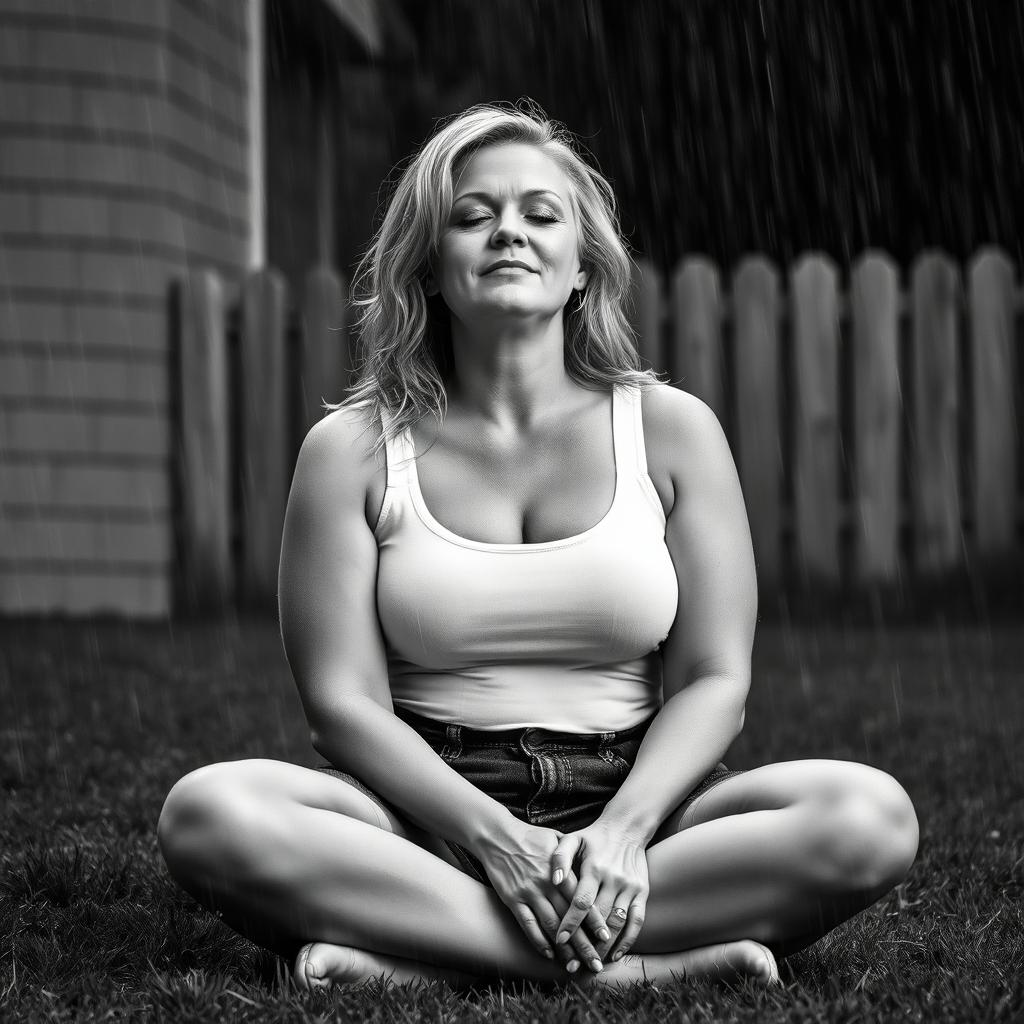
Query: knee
867	832
205	819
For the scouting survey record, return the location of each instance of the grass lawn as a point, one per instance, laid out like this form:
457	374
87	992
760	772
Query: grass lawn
98	720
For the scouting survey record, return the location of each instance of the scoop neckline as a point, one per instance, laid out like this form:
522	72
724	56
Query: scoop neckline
438	528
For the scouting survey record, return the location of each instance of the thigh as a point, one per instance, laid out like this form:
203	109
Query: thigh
368	806
215	789
784	784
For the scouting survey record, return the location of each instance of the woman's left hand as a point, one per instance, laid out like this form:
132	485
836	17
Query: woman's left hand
612	880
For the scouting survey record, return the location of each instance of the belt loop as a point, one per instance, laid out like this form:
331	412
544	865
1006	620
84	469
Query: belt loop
452	741
607	739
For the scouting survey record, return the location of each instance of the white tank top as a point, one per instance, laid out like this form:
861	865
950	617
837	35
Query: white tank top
561	634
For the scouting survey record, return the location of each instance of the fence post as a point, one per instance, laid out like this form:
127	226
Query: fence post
204	575
814	318
646	313
934	474
265	445
755	303
325	360
695	358
993	373
874	302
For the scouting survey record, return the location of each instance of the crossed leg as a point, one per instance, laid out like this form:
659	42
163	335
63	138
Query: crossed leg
780	854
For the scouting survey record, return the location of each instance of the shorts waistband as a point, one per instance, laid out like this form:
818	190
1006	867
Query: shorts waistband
444	732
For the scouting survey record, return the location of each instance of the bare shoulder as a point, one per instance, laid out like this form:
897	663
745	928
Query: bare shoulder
337	457
683	439
671	415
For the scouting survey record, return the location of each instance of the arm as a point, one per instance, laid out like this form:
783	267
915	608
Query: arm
327	600
706	656
333	641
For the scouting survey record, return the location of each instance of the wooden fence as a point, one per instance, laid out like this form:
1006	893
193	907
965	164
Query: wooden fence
875	425
252	374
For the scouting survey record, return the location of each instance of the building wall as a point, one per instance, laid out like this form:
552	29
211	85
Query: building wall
123	161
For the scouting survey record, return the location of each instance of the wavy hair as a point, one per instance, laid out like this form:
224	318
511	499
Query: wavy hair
404	337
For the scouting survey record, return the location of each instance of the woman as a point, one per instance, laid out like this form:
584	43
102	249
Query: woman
517	595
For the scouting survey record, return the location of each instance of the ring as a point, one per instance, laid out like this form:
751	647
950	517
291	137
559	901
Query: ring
620	912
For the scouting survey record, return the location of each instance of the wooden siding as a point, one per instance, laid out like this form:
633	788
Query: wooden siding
123	163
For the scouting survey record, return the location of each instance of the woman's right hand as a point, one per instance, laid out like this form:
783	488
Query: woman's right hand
518	864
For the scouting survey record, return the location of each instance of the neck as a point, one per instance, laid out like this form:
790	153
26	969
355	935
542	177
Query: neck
512	375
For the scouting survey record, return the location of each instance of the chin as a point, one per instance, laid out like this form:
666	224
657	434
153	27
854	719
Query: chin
502	306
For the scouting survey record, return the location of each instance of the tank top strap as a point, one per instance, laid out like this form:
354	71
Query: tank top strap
399	459
628	428
400	455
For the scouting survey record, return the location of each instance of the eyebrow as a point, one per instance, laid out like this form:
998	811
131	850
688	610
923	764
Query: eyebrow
533	193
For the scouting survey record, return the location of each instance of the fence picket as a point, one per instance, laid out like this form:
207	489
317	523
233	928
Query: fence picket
935	497
204	567
726	347
325	362
265	447
993	374
755	303
874	304
646	313
816	454
695	357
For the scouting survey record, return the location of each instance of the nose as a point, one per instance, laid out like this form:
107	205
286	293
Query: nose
508	230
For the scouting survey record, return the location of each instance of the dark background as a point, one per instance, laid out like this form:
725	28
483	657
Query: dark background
726	126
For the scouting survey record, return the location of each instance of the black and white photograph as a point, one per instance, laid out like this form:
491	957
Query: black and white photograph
511	511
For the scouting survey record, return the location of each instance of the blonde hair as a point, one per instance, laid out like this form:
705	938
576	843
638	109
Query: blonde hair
404	342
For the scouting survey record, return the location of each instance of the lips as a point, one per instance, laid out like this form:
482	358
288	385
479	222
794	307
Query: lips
504	264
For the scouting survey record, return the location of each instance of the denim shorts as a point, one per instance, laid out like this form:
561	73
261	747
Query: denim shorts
557	780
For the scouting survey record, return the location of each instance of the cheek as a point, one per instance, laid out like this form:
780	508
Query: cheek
453	263
568	253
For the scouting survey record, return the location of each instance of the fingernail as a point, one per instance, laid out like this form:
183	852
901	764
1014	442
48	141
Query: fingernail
596	966
617	955
558	876
603	934
572	966
563	937
547	952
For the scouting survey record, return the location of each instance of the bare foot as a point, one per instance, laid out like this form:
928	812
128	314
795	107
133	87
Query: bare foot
322	965
727	961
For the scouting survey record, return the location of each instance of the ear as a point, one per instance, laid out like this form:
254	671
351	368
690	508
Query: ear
581	279
430	285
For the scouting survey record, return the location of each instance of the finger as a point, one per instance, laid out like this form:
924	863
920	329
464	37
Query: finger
601	922
581	948
597	925
548	917
561	860
586	950
616	919
569	930
595	921
580	905
532	929
634	922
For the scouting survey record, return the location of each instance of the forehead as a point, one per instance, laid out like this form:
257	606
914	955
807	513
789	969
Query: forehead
510	169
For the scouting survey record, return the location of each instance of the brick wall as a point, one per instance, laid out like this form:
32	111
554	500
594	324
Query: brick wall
123	160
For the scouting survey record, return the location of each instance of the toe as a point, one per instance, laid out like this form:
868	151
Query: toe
769	971
324	965
319	965
306	973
